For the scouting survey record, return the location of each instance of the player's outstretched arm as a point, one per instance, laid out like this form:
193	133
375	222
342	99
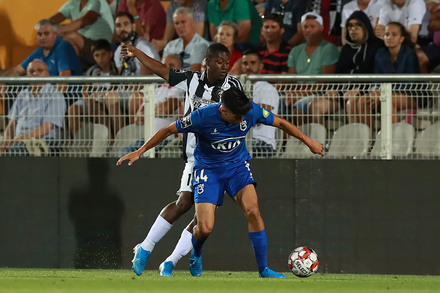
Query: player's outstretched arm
155	66
156	139
315	146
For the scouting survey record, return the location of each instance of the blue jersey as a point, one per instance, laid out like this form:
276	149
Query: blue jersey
219	142
61	57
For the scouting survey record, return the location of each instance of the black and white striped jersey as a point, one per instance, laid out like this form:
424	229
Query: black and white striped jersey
198	95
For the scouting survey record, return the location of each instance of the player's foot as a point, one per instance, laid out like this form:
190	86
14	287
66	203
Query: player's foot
195	265
268	273
166	268
140	259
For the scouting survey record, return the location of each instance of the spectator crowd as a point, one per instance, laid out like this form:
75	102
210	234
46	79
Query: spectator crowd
263	37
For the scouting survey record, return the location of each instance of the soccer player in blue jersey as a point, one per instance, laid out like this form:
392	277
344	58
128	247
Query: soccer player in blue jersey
201	89
221	164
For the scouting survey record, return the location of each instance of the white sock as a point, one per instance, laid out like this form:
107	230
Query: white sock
157	232
183	247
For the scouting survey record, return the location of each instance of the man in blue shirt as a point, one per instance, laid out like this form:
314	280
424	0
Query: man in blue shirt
221	164
59	55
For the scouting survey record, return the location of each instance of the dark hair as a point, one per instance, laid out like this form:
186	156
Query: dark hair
215	49
403	32
275	17
102	44
236	101
123	13
252	51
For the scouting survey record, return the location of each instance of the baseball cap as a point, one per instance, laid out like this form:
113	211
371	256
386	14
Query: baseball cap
312	15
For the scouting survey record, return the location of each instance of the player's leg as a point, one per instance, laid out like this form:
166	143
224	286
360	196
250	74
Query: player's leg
205	224
183	247
164	222
248	201
241	187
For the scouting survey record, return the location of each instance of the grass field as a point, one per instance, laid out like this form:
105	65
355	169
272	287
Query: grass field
55	280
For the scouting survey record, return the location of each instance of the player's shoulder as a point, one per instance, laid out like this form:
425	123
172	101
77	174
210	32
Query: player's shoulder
234	82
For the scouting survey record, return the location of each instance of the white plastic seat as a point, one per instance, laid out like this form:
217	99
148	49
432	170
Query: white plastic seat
428	141
100	140
350	140
127	135
297	149
402	140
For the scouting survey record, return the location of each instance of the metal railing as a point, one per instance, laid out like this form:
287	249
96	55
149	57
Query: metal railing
377	127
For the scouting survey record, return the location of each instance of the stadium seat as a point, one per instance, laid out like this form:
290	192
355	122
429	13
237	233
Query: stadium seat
100	140
297	149
126	136
350	140
428	141
402	141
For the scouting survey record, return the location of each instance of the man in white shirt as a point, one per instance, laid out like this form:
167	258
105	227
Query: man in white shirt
409	13
265	95
370	7
189	46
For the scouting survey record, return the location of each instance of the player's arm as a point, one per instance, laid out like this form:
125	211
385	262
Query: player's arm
149	63
157	138
314	146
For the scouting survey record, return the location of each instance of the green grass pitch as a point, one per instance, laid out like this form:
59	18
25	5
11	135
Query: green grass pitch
95	281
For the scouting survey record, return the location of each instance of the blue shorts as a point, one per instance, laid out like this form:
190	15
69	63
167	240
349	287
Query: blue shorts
210	184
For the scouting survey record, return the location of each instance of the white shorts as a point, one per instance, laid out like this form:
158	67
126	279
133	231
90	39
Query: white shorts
186	180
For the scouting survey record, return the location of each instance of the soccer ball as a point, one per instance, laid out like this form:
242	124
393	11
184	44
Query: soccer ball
303	261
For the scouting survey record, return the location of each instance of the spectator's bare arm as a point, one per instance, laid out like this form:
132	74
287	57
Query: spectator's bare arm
413	31
15	71
297	38
244	29
89	18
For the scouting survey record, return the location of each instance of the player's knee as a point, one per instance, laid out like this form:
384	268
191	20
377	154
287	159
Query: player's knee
252	213
204	228
184	202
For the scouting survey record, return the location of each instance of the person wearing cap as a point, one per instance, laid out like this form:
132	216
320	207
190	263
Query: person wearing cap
314	56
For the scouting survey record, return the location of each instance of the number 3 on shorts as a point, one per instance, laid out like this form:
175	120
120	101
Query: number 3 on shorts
202	176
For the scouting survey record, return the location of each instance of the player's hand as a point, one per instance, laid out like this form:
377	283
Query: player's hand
316	147
133	157
127	50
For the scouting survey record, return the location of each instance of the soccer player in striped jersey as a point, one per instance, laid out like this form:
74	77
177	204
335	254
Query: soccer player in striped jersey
201	89
221	164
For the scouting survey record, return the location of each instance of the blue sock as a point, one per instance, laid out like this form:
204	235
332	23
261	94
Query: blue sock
259	243
197	246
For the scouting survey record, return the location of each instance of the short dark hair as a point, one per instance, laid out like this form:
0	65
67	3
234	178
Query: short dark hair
123	13
215	49
275	17
252	51
236	101
101	44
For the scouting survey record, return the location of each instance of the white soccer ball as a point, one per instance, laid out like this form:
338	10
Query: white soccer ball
303	261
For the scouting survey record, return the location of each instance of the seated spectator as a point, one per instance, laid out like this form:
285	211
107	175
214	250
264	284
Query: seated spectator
227	34
370	7
190	46
117	102
265	95
149	17
91	20
409	13
167	100
429	55
291	10
274	51
314	56
199	8
242	12
37	114
397	57
58	54
93	102
356	57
